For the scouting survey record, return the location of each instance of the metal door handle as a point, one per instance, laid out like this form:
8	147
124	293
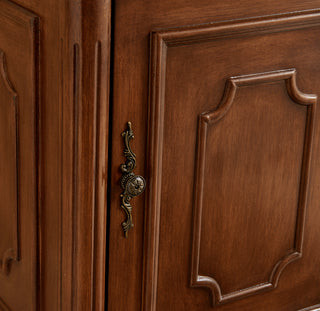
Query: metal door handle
131	184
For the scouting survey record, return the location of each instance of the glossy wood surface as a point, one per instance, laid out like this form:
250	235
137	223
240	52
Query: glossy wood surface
222	97
229	219
19	68
54	86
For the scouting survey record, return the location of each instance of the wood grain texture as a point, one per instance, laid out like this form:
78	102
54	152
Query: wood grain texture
68	139
72	144
84	154
206	120
19	59
163	40
188	69
9	171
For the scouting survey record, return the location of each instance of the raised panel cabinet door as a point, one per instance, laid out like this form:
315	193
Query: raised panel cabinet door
222	101
18	169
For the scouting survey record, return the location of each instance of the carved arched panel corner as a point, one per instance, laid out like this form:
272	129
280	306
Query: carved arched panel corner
208	121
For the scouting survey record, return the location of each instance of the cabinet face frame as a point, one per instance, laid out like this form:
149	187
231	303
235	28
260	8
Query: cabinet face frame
84	128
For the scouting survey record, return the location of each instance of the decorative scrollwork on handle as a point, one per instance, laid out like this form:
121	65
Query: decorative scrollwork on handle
131	184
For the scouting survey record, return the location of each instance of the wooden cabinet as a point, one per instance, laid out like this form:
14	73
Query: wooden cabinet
206	109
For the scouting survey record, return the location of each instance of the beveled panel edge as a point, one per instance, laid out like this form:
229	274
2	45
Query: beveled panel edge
160	41
211	117
154	166
12	253
3	306
5	77
186	35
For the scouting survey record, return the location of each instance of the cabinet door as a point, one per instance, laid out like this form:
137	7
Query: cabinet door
18	169
222	101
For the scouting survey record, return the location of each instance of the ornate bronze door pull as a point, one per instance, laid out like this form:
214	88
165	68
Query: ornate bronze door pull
132	184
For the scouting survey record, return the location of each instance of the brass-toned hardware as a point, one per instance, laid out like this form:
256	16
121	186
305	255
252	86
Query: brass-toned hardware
131	184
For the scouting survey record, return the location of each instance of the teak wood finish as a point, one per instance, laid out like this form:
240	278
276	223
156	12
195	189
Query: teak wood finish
222	96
